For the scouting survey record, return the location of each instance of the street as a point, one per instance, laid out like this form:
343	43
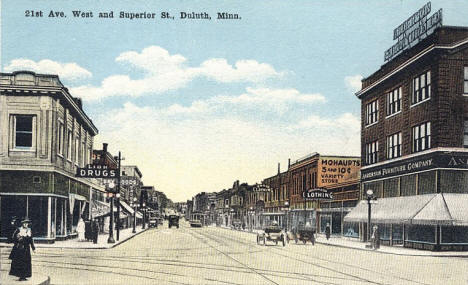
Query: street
211	255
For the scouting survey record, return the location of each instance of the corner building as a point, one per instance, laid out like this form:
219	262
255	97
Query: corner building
414	145
44	137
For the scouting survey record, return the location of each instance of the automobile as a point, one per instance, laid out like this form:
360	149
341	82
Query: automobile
173	221
302	233
153	219
160	220
195	224
236	225
271	233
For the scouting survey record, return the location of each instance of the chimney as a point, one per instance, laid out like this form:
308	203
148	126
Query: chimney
289	163
104	147
279	171
78	102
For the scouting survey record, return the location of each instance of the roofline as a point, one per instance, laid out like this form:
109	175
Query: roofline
405	64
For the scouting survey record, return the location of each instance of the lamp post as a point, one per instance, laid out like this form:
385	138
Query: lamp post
370	197
144	215
134	214
286	213
111	216
251	214
118	215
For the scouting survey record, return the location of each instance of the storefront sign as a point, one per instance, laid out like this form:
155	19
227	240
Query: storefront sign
413	30
420	163
128	180
334	170
317	194
97	171
261	188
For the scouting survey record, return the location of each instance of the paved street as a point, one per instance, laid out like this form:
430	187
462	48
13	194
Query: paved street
212	255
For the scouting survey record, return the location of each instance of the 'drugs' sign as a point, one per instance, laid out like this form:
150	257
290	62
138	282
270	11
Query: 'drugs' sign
333	170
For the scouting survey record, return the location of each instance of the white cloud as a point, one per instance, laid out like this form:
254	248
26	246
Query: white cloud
68	71
353	83
261	99
207	153
164	72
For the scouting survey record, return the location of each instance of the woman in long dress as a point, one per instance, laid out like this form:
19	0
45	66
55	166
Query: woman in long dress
80	229
21	253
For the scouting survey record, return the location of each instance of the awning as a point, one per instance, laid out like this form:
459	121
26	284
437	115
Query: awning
430	209
99	209
130	210
389	210
457	205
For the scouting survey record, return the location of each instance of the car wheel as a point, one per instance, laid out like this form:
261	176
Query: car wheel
304	241
276	242
258	239
282	239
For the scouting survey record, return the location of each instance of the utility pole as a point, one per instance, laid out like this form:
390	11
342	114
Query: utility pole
118	197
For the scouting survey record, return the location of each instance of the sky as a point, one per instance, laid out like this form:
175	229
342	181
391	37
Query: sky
197	104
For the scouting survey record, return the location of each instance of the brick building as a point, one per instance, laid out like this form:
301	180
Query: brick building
414	113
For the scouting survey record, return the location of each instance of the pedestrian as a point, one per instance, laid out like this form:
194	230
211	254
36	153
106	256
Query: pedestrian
12	228
95	230
328	231
375	237
80	229
21	254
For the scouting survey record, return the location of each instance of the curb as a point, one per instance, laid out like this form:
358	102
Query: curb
100	247
370	250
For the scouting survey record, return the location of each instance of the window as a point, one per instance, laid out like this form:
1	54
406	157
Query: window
422	87
394	146
23	131
372	151
422	137
394	101
465	80
77	148
465	133
372	112
60	136
69	146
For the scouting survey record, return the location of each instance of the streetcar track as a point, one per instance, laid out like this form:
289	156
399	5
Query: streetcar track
336	262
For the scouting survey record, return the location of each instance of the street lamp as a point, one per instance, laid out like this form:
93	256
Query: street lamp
286	214
370	197
111	216
144	215
118	215
134	214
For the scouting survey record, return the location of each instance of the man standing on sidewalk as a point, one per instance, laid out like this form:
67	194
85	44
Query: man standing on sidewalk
328	231
95	230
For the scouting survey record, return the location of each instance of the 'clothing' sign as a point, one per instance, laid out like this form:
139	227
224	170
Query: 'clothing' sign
317	194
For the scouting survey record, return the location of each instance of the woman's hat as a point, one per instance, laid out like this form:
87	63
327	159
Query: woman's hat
26	220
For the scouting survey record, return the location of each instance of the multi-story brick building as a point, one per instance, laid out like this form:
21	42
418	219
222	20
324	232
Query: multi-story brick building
277	198
414	113
44	137
338	175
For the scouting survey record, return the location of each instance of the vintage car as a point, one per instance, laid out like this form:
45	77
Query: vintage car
303	234
153	219
195	224
173	221
236	225
271	233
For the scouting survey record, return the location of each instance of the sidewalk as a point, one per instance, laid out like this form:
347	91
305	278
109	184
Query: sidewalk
125	234
398	250
36	279
351	243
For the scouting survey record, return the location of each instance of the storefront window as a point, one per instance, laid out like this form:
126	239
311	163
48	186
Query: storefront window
384	231
324	220
455	235
418	233
351	230
408	185
453	181
12	208
427	182
52	215
38	214
397	233
391	187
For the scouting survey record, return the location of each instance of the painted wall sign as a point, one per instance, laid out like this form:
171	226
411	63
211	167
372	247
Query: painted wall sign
334	170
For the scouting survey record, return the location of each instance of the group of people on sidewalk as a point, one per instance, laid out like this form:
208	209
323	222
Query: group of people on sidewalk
87	231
